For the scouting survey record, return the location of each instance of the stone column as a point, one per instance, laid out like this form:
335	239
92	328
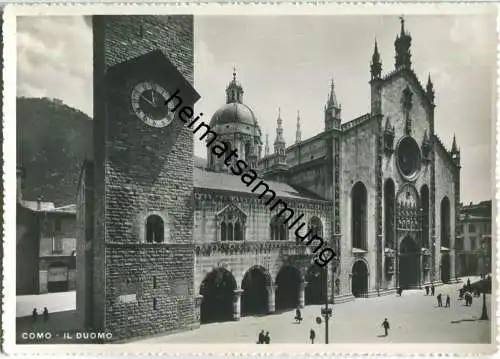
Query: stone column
271	298
237	304
302	294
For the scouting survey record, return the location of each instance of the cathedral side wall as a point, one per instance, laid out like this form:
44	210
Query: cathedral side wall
445	178
268	255
359	148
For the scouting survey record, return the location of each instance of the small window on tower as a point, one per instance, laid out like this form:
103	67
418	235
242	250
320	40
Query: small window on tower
155	303
154	229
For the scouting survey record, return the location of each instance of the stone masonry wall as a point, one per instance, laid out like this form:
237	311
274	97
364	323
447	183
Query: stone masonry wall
141	171
358	165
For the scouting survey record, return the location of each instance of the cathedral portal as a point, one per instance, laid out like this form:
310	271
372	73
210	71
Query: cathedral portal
360	279
408	263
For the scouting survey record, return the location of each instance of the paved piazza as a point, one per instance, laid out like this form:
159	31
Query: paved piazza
413	317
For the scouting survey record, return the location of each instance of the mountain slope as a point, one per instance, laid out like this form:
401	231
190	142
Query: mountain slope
52	141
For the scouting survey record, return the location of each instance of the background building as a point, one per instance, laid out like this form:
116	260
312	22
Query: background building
473	243
46	246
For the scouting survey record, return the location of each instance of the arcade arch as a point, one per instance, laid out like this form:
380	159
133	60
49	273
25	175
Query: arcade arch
288	283
217	290
255	296
315	290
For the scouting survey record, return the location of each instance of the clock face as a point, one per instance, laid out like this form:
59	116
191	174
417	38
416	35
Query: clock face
148	102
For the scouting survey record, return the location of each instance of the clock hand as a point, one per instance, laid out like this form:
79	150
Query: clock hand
153	97
145	99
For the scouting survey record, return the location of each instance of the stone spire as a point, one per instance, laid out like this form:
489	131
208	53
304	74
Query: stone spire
332	98
332	110
266	149
402	45
430	89
234	91
454	147
298	133
455	151
279	142
376	64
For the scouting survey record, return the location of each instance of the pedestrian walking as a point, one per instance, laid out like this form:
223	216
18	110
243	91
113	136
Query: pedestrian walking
468	299
298	315
386	326
261	337
447	300
468	284
34	315
45	314
440	300
267	338
312	335
432	289
426	290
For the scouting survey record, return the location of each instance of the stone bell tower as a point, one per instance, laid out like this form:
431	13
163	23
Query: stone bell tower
138	255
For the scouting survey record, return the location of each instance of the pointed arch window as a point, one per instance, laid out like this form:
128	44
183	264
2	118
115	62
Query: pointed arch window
232	225
316	227
279	229
359	216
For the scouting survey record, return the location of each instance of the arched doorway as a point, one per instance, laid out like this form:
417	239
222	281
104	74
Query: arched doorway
254	299
408	263
445	267
359	279
217	290
287	288
315	289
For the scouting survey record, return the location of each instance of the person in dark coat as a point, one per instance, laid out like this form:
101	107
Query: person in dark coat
261	337
34	314
468	284
447	301
386	326
432	289
45	314
298	315
267	338
440	300
426	290
312	335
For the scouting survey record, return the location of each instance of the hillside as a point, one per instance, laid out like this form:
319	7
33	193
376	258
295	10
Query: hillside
52	141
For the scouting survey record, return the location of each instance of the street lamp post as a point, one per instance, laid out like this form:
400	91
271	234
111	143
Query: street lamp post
326	312
484	312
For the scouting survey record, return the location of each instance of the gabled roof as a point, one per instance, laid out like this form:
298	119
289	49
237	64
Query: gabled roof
227	182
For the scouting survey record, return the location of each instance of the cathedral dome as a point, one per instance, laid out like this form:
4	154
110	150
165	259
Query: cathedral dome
234	112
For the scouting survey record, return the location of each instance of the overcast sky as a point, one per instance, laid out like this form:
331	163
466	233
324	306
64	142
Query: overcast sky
288	62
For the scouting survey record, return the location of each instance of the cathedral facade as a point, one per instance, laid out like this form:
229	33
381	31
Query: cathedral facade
165	243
